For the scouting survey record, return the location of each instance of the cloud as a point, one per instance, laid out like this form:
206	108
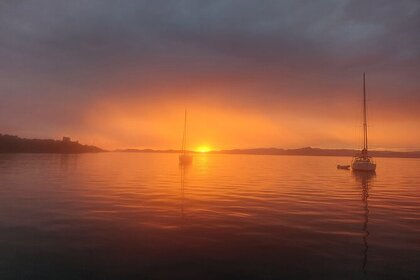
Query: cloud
61	58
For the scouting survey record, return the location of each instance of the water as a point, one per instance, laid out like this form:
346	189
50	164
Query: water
141	216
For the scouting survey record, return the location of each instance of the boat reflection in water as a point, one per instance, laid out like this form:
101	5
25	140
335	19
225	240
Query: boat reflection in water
365	180
183	170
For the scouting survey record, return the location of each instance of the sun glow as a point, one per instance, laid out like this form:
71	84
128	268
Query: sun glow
203	149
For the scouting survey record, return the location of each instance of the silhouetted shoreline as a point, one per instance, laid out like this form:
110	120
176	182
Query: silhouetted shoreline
15	144
307	151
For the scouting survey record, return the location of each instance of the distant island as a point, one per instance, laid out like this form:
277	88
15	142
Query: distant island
307	151
15	144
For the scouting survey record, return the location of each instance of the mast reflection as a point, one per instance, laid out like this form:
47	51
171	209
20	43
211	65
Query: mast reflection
365	179
183	169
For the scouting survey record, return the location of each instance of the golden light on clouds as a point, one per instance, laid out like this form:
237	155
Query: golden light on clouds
157	123
136	123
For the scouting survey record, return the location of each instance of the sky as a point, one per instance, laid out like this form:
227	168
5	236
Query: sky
119	74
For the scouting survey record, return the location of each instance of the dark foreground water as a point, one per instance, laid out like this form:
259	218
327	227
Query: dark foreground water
141	216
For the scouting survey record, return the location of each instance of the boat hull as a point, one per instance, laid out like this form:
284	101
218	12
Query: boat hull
363	166
346	167
185	159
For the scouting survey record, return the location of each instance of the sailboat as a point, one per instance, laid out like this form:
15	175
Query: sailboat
184	157
362	161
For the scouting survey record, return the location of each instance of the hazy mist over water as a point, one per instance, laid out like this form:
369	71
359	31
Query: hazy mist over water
142	216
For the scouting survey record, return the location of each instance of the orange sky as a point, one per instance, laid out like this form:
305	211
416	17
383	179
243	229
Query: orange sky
150	123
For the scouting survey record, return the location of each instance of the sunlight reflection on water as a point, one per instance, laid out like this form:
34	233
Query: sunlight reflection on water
129	215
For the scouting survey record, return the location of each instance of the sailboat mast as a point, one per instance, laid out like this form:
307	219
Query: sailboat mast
365	140
184	137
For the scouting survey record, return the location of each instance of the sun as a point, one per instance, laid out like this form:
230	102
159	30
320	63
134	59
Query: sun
203	149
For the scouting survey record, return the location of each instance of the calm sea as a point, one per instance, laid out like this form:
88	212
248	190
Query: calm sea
142	216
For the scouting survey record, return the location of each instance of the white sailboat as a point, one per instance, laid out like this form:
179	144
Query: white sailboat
185	157
362	161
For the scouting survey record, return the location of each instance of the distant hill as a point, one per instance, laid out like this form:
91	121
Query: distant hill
15	144
148	151
307	151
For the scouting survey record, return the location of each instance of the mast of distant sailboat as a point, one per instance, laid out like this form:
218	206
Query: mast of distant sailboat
184	137
184	157
365	129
